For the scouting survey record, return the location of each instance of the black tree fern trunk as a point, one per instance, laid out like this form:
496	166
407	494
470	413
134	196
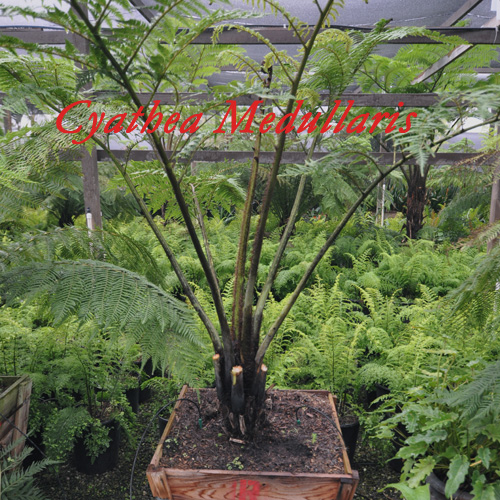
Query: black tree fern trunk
415	201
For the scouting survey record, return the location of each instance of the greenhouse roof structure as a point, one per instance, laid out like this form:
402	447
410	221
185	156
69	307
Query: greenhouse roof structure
480	15
478	24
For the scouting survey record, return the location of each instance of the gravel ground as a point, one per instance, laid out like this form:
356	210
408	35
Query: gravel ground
374	474
114	485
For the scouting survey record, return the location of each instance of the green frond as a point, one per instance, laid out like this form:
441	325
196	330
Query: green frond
112	296
75	243
480	397
18	483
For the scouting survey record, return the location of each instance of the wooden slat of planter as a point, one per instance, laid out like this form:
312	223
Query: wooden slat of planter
21	419
14	406
158	482
9	402
178	484
209	485
347	464
8	398
348	486
170	423
157	478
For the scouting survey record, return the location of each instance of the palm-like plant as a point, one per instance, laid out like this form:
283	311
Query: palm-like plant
158	57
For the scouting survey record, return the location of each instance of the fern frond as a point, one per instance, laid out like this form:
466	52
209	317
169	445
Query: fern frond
112	296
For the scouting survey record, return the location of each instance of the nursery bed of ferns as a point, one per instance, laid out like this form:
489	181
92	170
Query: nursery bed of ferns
378	310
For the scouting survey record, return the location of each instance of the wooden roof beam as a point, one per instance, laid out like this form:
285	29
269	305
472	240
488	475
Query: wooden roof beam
360	100
452	56
461	12
276	34
267	157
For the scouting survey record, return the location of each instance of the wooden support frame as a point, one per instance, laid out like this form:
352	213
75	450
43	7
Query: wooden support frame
267	157
143	10
495	200
442	63
91	188
462	12
360	100
281	35
276	34
454	54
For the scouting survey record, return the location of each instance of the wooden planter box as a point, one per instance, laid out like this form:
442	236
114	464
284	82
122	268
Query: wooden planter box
14	406
178	484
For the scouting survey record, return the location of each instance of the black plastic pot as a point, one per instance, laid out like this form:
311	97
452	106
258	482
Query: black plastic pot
368	397
104	462
436	488
145	395
350	432
133	393
396	464
148	367
374	393
145	374
381	390
133	397
36	443
162	423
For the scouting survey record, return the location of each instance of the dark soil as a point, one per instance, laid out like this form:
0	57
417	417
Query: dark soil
279	445
114	485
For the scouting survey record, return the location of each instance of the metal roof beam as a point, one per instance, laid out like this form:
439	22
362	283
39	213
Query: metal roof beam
442	63
143	10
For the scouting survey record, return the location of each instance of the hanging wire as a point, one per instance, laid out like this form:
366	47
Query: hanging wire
322	413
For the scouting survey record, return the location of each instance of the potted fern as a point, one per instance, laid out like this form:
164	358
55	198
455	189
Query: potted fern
454	441
168	60
90	421
90	429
